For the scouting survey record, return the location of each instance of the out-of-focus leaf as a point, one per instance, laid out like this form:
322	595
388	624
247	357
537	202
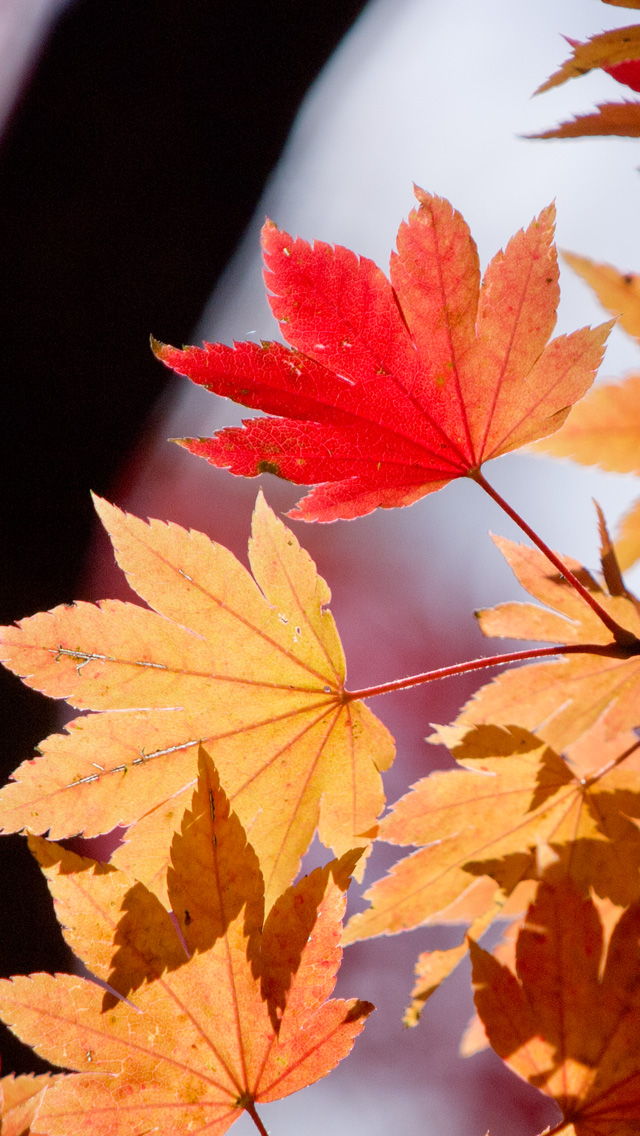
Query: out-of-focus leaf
604	50
618	292
621	119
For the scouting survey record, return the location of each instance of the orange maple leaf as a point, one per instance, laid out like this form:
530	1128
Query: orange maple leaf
394	388
618	45
617	119
562	699
244	1020
514	807
618	53
20	1099
569	1022
618	292
253	667
604	428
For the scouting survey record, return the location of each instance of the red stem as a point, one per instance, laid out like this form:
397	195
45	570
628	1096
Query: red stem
620	634
251	1109
480	664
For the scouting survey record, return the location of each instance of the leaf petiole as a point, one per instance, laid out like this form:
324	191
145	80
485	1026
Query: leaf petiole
250	1108
481	664
620	634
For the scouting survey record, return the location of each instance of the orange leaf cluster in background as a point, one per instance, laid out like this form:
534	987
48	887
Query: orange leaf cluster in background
618	53
605	428
210	970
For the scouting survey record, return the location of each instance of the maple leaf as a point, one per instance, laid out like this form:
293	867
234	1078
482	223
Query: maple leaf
606	50
514	807
392	389
618	292
562	699
627	73
244	1020
432	967
20	1099
618	53
253	667
618	119
569	1022
604	429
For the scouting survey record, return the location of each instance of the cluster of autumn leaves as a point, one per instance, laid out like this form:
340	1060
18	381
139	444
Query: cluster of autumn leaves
222	735
617	52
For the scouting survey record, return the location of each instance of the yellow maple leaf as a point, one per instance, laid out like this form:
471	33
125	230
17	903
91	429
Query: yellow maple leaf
618	292
20	1099
246	1019
604	428
562	699
251	667
515	810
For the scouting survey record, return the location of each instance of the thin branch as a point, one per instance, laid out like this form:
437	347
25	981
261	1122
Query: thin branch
481	664
620	634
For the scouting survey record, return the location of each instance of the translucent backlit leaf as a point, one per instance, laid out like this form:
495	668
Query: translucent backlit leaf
604	50
604	430
391	389
250	666
562	699
236	1024
618	292
512	811
621	119
569	1020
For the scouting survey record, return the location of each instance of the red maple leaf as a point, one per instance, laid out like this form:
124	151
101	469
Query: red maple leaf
394	388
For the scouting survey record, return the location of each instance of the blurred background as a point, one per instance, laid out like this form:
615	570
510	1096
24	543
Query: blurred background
143	144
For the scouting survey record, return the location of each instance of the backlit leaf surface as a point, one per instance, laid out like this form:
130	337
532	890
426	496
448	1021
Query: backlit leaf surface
621	119
562	699
251	667
604	50
604	430
512	808
240	1022
20	1099
569	1021
392	388
618	292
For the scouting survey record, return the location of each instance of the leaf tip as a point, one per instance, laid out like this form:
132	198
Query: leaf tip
342	870
158	347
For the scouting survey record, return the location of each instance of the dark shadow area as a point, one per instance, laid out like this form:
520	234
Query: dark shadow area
128	172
